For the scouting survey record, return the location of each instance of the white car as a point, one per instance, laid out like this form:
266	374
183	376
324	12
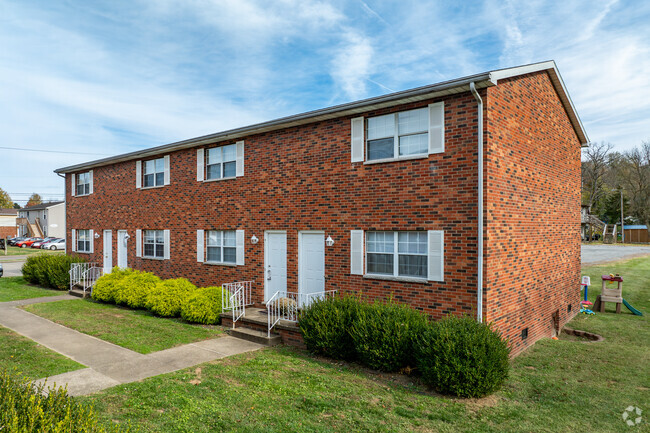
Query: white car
55	244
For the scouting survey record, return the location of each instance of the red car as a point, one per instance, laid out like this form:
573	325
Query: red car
28	242
38	243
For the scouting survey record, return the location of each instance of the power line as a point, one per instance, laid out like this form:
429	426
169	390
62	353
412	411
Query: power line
53	151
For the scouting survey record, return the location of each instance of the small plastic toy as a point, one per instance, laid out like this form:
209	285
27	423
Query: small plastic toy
585	305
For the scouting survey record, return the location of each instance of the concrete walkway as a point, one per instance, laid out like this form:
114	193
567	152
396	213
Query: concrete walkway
108	364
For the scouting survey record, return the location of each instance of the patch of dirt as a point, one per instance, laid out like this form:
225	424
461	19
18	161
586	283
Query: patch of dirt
476	404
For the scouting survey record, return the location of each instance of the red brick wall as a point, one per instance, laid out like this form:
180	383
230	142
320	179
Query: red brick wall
7	231
301	178
532	203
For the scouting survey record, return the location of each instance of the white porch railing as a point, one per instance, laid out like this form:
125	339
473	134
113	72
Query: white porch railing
236	297
286	306
77	271
90	277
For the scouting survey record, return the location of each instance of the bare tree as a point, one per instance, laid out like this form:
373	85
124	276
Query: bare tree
633	170
594	171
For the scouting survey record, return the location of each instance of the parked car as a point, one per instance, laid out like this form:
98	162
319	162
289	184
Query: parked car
28	242
38	244
2	244
1	270
56	244
14	241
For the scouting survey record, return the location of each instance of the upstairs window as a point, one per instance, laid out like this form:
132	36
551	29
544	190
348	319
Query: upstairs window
154	244
221	246
221	162
153	173
83	183
398	134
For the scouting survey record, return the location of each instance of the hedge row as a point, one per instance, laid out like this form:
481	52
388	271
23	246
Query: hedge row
167	298
455	355
49	270
25	407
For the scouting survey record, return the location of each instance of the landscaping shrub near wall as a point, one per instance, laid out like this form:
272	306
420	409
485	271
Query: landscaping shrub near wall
166	299
26	408
108	285
49	270
134	288
203	306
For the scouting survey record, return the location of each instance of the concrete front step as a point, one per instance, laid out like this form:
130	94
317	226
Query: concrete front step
79	293
255	336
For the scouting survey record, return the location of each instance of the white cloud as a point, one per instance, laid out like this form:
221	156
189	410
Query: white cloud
351	65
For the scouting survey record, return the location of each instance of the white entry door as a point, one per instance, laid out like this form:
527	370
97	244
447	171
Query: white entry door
122	238
275	263
108	251
311	263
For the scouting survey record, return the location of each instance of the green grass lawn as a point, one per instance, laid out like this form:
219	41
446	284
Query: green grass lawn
137	330
16	288
17	251
30	358
555	386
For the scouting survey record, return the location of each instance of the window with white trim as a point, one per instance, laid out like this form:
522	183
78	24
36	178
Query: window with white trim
221	246
398	254
154	244
84	238
83	184
153	173
398	134
221	162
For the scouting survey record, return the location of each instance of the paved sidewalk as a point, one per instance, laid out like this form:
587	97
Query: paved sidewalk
109	364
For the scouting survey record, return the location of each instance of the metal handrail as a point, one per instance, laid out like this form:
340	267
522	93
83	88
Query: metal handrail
236	297
286	306
90	278
77	271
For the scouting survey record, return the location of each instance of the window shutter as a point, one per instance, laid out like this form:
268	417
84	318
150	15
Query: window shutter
436	255
74	185
167	244
166	169
200	251
356	252
437	127
200	164
357	139
138	243
92	240
73	247
91	181
138	174
240	159
240	247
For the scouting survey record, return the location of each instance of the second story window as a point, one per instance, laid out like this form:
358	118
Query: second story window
398	134
153	173
83	183
221	162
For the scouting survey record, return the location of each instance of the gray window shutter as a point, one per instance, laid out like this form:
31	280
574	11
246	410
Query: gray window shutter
436	255
356	252
166	169
200	241
138	243
240	159
240	247
74	185
138	174
91	181
358	144
200	164
92	240
167	244
73	247
437	127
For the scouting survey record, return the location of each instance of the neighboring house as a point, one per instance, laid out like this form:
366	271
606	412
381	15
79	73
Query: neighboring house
636	234
8	225
47	219
590	225
379	197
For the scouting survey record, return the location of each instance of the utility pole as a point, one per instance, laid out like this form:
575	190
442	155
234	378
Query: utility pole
622	219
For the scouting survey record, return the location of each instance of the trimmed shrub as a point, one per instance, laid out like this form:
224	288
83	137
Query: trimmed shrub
108	285
203	306
166	299
49	270
133	288
384	334
25	407
325	326
460	356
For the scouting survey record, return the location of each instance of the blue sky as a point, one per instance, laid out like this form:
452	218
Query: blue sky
100	78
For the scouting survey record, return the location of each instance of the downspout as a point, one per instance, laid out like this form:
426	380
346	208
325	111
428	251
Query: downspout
479	276
65	212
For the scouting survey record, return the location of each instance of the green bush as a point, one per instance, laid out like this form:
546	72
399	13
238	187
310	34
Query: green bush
463	357
49	270
108	285
134	287
384	334
325	326
25	407
166	299
203	306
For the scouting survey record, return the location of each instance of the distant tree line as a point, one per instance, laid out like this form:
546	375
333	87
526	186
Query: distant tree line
605	173
6	202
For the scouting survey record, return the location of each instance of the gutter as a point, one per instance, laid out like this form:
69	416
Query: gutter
479	273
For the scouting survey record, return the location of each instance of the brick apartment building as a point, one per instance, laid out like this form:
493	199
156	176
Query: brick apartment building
379	196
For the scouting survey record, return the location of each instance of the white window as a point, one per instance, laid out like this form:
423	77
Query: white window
153	173
398	254
398	134
221	246
221	162
84	183
154	244
84	239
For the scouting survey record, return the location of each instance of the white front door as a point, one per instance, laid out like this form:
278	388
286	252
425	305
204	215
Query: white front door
275	263
108	251
121	249
311	263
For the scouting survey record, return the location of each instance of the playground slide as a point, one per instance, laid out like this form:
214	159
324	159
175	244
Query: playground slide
632	309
